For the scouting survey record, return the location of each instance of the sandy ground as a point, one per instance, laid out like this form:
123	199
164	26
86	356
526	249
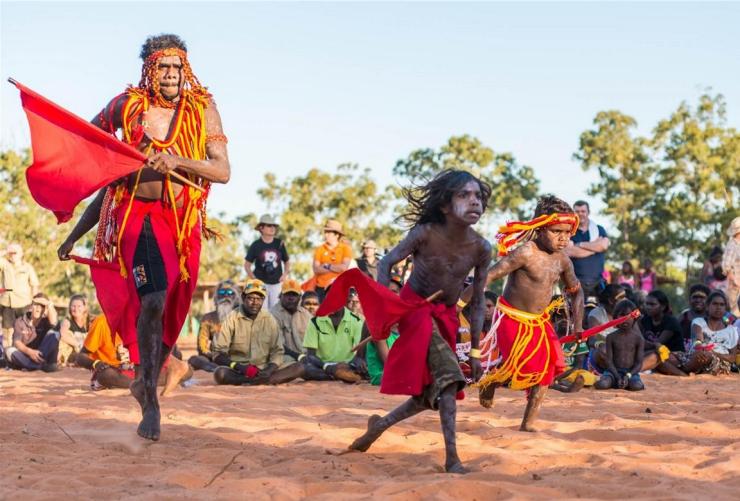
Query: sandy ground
679	439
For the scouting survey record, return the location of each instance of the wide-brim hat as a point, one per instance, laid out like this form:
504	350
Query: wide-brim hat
734	228
334	225
266	219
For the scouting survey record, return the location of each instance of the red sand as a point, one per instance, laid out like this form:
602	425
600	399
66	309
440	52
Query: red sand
676	440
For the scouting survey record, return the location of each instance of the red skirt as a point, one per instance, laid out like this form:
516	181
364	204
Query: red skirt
118	296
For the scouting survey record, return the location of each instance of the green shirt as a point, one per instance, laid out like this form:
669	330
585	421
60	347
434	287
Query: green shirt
374	363
334	345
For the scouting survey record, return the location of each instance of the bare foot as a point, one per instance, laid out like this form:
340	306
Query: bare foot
456	467
149	425
344	373
577	385
177	371
137	390
485	396
363	443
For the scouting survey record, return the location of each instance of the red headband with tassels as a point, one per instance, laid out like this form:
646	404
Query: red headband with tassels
515	232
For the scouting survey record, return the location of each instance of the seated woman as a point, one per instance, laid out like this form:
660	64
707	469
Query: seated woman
73	330
663	339
716	344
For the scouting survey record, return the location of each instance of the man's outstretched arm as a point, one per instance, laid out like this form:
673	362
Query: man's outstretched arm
87	221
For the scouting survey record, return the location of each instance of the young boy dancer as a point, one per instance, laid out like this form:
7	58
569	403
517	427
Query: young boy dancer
530	350
422	362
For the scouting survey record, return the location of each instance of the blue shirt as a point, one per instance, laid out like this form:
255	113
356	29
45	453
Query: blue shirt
588	269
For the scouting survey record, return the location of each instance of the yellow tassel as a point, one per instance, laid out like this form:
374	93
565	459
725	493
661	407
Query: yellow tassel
530	325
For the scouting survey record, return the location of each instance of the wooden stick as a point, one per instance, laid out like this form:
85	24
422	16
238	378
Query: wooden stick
185	180
369	338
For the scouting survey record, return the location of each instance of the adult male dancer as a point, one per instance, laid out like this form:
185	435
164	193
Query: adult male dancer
149	222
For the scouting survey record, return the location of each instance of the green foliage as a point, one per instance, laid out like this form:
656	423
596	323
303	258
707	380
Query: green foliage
515	186
304	203
670	194
625	182
36	229
222	258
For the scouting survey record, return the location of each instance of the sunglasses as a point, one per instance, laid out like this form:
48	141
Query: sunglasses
225	292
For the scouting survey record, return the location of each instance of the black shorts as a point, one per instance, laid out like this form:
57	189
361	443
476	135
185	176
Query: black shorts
148	267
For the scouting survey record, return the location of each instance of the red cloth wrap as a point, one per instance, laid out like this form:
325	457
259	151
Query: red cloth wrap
118	296
405	371
506	336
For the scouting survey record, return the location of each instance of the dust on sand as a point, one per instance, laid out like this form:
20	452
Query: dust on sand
676	440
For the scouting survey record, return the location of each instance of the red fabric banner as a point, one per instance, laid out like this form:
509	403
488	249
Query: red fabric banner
72	158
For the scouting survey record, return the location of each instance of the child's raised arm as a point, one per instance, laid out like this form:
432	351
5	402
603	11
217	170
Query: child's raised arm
511	262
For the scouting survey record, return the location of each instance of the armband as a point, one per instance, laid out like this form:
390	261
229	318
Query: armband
474	353
95	364
216	138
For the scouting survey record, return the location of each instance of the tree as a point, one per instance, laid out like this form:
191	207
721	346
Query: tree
36	229
626	172
222	257
514	186
304	203
698	177
670	194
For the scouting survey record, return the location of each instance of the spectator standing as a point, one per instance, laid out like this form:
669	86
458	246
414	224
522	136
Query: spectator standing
712	275
627	276
19	279
368	263
589	245
731	265
73	329
270	259
331	258
293	319
35	344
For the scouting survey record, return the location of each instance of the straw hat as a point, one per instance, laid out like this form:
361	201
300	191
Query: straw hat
334	225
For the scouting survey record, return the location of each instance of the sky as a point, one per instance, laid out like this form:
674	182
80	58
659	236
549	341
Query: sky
302	85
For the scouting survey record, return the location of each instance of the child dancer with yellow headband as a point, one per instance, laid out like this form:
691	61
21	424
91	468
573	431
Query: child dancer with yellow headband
534	261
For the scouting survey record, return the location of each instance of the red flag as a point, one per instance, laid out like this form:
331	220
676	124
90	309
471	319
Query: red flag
72	158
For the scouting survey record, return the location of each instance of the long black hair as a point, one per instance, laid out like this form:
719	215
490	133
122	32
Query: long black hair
426	202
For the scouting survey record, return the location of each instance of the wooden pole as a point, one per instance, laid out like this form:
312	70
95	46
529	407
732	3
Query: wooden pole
369	338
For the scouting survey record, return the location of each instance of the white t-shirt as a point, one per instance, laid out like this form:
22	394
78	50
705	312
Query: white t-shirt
724	340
